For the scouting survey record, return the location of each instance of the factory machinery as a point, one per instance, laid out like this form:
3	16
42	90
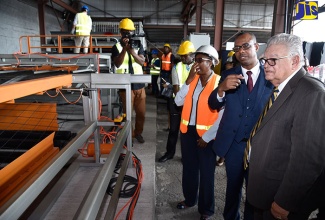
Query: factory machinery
50	162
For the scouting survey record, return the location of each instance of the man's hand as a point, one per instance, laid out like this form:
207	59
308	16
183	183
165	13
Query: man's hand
231	82
278	212
201	143
125	44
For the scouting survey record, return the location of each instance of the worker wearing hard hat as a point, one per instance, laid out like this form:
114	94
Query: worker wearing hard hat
179	74
129	60
167	63
82	25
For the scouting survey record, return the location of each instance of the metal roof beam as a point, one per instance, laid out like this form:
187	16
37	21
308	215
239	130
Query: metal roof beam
65	6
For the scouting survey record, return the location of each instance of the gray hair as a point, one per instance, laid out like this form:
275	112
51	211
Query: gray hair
292	42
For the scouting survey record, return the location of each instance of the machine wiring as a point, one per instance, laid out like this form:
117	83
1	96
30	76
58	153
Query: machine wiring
131	186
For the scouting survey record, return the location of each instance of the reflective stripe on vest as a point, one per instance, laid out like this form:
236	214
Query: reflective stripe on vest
205	117
201	127
154	71
166	63
83	24
124	68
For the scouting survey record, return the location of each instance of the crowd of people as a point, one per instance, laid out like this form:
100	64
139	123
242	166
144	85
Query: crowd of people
263	117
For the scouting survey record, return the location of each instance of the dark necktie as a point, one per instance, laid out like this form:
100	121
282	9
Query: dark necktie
268	105
249	81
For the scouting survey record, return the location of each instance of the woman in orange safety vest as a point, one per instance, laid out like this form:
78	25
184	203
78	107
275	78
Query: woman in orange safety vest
198	127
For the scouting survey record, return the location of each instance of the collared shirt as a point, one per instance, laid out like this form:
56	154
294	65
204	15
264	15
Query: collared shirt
284	83
255	74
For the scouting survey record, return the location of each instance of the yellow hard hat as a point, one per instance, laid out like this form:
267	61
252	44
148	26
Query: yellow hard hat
127	24
230	54
167	45
186	47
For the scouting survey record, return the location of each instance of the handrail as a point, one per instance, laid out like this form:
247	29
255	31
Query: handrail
15	207
91	204
59	47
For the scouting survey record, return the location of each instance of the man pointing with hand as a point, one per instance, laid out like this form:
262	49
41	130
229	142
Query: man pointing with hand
243	92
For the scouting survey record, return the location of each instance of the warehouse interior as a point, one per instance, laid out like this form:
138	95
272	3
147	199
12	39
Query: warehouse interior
65	144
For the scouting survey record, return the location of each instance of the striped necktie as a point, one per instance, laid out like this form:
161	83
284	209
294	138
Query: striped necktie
272	98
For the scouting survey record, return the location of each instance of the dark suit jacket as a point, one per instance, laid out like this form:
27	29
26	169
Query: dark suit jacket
234	116
288	150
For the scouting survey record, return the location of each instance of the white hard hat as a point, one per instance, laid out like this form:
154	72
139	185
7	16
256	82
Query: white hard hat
210	51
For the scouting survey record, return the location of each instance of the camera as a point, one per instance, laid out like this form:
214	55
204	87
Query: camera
134	43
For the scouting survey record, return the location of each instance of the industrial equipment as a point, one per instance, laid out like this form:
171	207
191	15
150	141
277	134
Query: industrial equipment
89	80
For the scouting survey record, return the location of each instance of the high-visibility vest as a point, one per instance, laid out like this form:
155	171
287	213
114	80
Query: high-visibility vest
83	26
154	70
124	68
205	117
182	72
166	62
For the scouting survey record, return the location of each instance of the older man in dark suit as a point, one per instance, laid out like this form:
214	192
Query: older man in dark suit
287	159
243	91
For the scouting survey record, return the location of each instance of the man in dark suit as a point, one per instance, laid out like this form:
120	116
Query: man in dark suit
287	162
242	109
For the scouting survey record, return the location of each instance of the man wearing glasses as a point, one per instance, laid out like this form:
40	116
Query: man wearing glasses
287	163
243	91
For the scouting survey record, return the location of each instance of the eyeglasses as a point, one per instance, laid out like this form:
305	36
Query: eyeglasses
245	46
271	61
201	59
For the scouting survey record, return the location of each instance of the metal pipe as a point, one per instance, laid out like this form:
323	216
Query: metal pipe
90	206
15	207
110	212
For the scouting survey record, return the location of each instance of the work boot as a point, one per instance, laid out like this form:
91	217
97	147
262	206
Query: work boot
139	138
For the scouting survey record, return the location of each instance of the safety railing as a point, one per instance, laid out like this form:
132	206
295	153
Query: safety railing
57	43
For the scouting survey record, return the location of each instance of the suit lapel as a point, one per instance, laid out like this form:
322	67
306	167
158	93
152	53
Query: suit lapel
287	91
242	88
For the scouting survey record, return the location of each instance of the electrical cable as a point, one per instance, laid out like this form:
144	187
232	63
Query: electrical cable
131	185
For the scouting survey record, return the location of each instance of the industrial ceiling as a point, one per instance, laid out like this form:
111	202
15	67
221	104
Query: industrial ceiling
163	20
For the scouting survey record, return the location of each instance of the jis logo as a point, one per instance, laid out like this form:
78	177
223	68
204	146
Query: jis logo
307	10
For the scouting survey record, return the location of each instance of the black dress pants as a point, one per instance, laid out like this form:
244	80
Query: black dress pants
175	119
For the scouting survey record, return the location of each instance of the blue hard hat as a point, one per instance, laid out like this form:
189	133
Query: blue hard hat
154	51
85	7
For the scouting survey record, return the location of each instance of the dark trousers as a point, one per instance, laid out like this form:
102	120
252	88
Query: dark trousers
166	76
235	179
154	85
175	119
198	172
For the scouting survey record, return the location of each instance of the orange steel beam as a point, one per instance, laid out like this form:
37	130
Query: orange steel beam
18	172
20	89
